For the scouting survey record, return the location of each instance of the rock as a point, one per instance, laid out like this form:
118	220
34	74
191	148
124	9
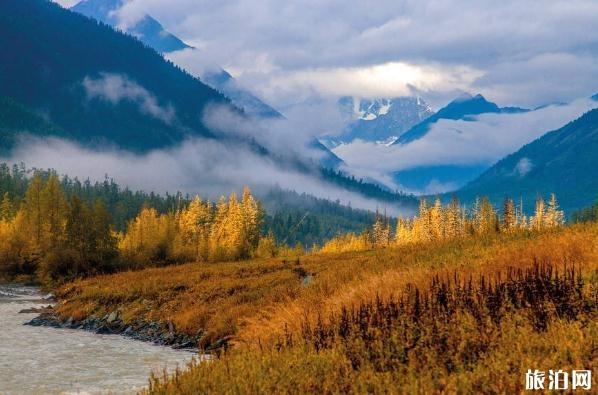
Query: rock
112	317
50	297
68	323
38	310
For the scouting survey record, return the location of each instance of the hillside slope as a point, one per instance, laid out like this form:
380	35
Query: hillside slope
151	32
564	161
17	120
98	84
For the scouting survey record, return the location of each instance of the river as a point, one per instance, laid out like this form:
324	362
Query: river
41	360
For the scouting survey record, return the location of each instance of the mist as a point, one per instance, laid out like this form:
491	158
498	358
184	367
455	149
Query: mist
206	167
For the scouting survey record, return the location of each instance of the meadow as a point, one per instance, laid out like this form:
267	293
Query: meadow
467	315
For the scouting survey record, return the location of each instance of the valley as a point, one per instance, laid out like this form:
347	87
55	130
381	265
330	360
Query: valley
253	197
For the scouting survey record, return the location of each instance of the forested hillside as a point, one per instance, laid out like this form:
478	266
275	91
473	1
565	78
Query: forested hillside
16	120
562	161
98	84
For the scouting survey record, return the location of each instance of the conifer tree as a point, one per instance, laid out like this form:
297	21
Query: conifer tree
436	221
54	207
6	208
453	219
538	220
509	217
554	217
33	209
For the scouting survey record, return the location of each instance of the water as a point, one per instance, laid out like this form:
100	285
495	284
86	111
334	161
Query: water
40	360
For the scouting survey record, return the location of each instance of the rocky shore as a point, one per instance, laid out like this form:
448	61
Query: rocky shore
160	333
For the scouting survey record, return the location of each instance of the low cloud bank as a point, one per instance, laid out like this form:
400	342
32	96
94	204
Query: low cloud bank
206	167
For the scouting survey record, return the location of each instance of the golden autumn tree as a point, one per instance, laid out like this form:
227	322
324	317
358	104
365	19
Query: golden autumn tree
53	205
554	217
32	208
509	217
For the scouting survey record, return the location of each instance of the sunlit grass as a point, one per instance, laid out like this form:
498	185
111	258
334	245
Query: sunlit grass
258	305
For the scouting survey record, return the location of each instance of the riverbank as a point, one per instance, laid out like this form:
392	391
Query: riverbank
259	301
161	334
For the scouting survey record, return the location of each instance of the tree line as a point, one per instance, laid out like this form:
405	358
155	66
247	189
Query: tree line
292	218
51	235
437	222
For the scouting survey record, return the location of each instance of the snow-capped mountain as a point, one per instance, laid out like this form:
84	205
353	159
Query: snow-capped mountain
379	120
150	32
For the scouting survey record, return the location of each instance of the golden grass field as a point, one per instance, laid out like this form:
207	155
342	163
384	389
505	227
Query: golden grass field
282	316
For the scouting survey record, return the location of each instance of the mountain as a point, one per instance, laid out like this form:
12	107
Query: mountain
148	30
96	83
564	161
73	77
223	82
378	120
464	108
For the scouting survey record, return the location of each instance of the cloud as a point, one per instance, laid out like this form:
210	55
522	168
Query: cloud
485	140
115	88
267	42
523	167
291	137
67	3
206	167
391	79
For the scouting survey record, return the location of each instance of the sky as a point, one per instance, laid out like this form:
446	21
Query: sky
525	53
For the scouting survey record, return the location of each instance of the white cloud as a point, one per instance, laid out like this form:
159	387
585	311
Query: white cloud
199	166
267	42
388	79
67	3
116	88
523	167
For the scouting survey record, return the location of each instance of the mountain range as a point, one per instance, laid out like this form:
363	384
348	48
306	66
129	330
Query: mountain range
96	83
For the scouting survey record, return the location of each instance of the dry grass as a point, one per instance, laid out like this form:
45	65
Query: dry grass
359	329
253	302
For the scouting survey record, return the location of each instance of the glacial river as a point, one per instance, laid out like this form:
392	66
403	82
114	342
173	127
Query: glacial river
40	360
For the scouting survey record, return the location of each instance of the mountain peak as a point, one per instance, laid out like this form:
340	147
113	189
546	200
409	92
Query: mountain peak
463	96
461	108
147	30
